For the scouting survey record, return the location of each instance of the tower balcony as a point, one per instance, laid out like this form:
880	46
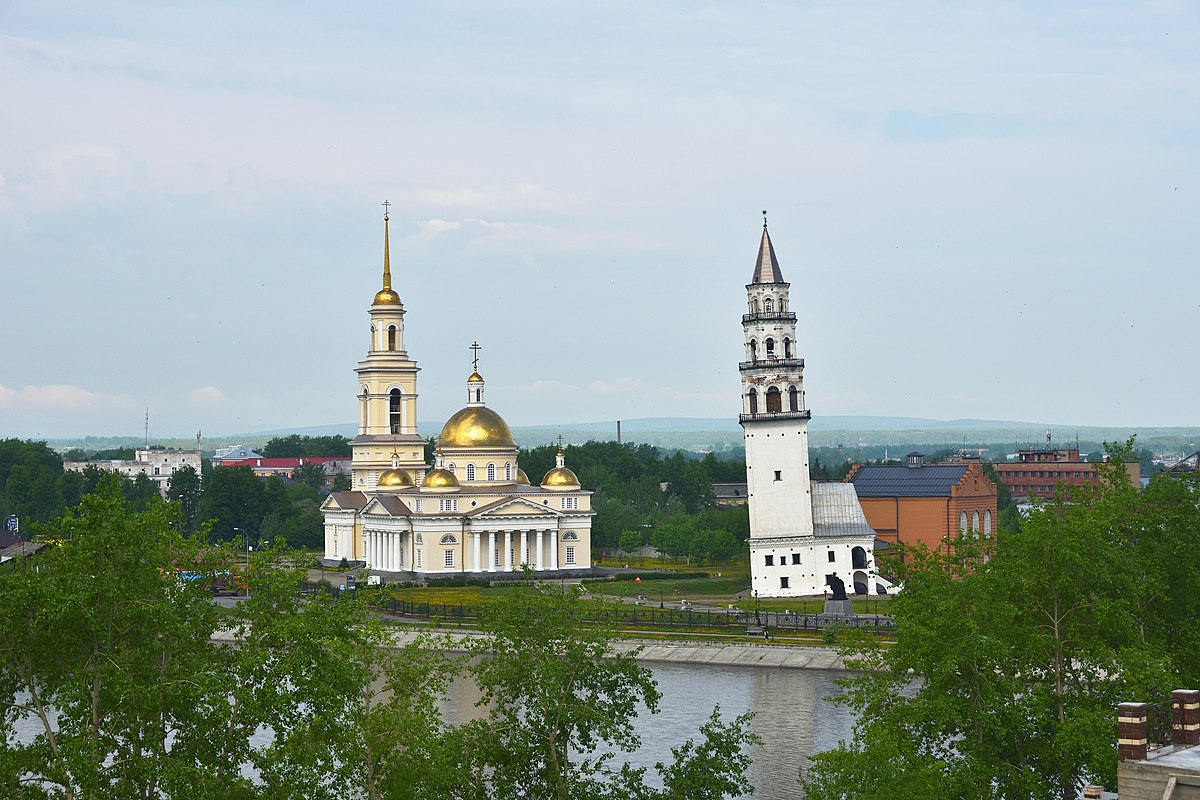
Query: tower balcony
772	363
773	316
764	416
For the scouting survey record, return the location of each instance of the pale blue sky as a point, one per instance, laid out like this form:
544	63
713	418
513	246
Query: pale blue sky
985	210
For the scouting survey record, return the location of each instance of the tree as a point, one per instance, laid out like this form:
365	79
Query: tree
310	474
232	497
1019	660
561	704
184	488
631	541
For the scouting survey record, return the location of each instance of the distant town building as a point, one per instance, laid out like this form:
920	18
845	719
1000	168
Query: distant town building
473	510
801	533
239	452
1036	473
729	494
923	503
158	465
285	467
1187	464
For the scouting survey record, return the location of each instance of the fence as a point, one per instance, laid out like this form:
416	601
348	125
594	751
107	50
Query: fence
642	616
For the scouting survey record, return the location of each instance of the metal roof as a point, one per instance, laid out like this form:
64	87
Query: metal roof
837	512
766	268
900	481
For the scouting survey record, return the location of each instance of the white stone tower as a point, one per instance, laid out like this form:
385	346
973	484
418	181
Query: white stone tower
803	536
773	417
387	392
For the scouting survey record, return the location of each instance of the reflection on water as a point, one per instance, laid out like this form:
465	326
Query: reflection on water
791	716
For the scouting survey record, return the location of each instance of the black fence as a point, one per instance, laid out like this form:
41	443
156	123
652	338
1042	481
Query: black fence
623	616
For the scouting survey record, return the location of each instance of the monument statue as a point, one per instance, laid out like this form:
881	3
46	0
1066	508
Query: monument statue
837	585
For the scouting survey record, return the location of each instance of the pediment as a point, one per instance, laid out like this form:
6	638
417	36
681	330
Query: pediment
386	507
515	507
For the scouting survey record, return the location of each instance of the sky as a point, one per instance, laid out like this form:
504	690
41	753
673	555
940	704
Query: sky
985	210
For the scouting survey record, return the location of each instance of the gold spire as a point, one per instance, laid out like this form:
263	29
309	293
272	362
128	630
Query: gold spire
386	296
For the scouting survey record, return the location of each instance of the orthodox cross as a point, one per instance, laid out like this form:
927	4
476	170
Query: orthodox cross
475	348
386	204
764	219
560	442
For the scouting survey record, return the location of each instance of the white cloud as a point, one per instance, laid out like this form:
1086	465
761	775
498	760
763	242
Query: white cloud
207	395
59	397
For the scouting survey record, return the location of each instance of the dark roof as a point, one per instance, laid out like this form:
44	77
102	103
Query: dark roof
766	268
393	505
900	481
349	500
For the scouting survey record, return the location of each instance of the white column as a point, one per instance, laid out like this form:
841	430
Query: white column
508	553
537	550
521	553
553	549
491	555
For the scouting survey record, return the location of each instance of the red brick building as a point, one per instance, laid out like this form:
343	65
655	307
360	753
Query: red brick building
1036	473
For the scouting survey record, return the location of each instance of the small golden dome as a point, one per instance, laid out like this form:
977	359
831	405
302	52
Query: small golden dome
475	378
476	426
386	297
440	479
560	478
522	478
394	479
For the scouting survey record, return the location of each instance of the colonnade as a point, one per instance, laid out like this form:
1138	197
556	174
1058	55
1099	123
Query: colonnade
386	551
537	548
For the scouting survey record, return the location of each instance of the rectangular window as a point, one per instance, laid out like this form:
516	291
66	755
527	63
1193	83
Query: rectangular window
449	558
497	555
446	504
570	503
795	558
832	557
783	582
418	559
770	561
778	475
570	554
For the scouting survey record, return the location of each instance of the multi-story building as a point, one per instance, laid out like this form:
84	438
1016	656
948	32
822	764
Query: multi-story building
285	467
158	465
1036	473
801	534
923	503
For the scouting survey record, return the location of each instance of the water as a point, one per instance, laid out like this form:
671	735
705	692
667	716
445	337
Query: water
791	716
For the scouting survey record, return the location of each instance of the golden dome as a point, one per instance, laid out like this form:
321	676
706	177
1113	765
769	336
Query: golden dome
394	479
476	426
560	478
522	478
386	297
440	479
475	378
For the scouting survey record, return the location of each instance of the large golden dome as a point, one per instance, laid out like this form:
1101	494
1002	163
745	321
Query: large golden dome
476	426
386	297
440	479
394	479
560	478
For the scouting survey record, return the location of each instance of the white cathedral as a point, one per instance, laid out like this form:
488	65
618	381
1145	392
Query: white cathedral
802	533
473	510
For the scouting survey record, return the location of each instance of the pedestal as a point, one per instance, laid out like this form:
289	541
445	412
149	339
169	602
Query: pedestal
839	608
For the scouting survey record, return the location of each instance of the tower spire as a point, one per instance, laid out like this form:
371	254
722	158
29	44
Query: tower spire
766	267
386	295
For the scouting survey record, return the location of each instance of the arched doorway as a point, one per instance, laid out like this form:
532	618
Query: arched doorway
774	399
860	583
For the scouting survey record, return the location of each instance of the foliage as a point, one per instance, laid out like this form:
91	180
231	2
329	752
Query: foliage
1020	660
184	488
297	446
630	541
310	474
233	498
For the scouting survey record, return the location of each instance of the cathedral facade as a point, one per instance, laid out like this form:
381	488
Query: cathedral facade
473	510
804	536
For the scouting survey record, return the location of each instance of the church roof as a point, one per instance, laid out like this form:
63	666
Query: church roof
349	500
393	505
898	480
766	268
837	512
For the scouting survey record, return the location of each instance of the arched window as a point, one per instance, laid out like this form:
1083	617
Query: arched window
782	304
394	410
774	400
391	337
753	401
452	468
508	472
793	399
987	521
975	520
363	414
787	347
962	521
449	538
754	306
491	472
770	343
470	472
767	306
570	536
753	350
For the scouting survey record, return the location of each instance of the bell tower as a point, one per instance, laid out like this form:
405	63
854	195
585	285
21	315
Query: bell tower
386	391
774	418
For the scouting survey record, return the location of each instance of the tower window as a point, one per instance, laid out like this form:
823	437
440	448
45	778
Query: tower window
787	347
452	468
778	474
795	558
770	343
391	337
832	557
793	399
774	400
491	472
753	350
470	472
767	305
783	582
753	401
394	410
508	472
769	560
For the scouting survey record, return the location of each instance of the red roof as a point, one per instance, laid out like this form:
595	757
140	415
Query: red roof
282	463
